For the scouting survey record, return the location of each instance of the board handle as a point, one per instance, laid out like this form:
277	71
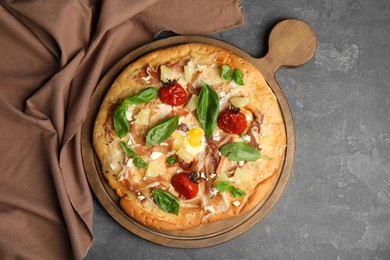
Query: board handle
291	43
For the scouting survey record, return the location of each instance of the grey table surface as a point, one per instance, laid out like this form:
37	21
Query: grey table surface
337	202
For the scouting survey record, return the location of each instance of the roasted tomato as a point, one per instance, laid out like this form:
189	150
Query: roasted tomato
172	93
186	184
232	121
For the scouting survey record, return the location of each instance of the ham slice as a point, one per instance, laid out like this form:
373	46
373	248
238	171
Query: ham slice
149	74
109	125
255	128
213	158
177	66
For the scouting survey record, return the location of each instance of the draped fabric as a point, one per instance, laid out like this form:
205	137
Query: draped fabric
52	55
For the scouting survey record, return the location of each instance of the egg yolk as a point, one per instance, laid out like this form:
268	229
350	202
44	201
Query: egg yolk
194	137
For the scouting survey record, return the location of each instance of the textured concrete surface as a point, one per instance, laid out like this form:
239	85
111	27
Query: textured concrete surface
337	202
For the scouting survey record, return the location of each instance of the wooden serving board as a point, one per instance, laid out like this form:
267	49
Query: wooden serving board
291	43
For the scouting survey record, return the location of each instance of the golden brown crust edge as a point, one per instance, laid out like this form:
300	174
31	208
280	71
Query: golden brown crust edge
181	222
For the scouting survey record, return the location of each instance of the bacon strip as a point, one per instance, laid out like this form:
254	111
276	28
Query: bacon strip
183	127
143	150
109	125
213	158
177	66
149	72
192	90
139	133
189	167
255	128
136	187
178	112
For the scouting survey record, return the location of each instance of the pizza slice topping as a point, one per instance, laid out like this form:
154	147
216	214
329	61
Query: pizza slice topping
240	151
186	184
227	186
172	93
121	122
137	160
208	109
237	75
232	121
166	201
162	131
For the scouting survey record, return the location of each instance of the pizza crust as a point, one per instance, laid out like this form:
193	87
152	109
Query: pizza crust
272	135
161	220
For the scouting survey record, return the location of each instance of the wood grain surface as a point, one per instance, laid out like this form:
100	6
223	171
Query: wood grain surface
291	43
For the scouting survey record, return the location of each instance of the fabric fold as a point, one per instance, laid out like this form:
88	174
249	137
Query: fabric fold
53	55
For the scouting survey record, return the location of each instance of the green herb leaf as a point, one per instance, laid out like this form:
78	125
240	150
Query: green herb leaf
127	149
143	96
238	76
208	109
227	186
226	72
162	131
238	193
223	186
139	162
166	201
171	159
238	151
121	124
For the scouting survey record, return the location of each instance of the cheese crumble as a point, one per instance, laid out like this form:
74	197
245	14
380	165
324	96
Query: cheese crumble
155	155
246	138
236	203
214	191
216	136
209	208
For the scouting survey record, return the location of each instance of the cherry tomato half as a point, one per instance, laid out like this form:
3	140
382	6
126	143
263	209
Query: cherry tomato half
183	183
172	93
232	122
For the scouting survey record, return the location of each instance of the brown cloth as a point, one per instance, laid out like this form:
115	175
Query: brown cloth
52	55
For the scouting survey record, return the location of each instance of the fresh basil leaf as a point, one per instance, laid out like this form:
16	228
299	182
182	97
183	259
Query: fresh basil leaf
226	72
223	186
139	162
227	186
238	193
121	124
166	201
143	96
202	105
162	131
239	151
127	149
171	160
208	109
238	76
